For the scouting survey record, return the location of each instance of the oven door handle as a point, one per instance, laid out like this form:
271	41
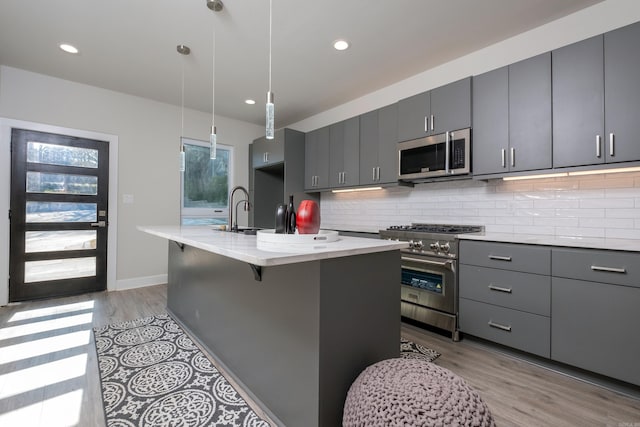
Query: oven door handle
446	264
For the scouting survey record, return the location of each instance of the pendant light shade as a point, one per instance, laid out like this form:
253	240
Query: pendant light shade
270	108
213	143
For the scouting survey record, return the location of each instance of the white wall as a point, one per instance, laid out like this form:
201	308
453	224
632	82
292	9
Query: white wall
148	133
595	206
597	19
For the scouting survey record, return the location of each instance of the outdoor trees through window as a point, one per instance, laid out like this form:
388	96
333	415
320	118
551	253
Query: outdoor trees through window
205	183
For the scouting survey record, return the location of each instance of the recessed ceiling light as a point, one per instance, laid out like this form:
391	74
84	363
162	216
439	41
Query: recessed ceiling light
341	45
68	48
249	101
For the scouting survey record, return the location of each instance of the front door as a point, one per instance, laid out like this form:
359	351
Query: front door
59	215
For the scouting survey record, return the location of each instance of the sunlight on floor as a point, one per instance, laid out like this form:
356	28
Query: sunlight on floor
58	411
28	379
48	311
46	325
44	354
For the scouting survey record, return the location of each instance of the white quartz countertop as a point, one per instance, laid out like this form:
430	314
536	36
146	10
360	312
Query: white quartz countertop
632	245
244	247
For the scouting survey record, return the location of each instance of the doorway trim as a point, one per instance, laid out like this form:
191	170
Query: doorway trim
5	194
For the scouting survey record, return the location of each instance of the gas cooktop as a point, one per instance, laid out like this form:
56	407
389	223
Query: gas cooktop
438	228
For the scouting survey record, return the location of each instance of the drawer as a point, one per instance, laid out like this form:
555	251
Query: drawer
513	328
616	267
511	289
506	256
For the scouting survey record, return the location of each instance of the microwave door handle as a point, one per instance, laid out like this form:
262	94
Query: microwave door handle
447	152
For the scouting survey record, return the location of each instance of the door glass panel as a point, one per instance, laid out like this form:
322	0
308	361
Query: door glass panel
68	240
56	269
62	155
61	212
61	183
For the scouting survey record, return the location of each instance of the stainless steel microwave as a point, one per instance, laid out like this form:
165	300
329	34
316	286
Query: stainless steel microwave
433	156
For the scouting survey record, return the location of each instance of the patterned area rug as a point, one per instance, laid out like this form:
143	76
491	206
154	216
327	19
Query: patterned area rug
152	374
411	350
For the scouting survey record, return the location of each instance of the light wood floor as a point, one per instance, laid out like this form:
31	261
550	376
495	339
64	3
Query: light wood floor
49	375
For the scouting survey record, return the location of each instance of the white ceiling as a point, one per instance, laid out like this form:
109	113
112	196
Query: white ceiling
130	45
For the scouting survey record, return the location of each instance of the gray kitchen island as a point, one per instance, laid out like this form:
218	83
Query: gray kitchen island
293	328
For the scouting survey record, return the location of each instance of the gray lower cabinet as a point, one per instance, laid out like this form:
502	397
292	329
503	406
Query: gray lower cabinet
512	117
316	160
378	133
505	294
344	153
596	295
572	305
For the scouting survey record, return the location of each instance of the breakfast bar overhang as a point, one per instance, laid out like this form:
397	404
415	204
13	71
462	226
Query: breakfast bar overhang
298	334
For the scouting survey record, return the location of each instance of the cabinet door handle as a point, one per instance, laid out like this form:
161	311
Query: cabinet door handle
378	173
413	296
432	122
344	177
611	144
503	154
598	143
500	289
609	269
499	326
513	156
500	258
447	150
426	124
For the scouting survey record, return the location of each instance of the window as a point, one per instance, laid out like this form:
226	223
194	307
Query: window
206	183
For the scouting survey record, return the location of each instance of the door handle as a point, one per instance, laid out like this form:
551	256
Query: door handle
611	144
99	224
598	139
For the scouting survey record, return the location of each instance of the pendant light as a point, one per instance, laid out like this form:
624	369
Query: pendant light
213	137
270	106
182	50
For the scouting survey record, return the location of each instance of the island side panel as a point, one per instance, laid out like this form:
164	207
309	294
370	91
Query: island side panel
266	332
360	323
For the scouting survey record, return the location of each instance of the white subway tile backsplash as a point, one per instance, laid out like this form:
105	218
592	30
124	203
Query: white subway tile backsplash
590	206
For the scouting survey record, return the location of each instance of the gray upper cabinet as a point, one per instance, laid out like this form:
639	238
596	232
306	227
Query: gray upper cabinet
530	114
622	93
512	117
414	117
578	103
378	130
316	163
443	109
344	153
451	106
491	122
268	151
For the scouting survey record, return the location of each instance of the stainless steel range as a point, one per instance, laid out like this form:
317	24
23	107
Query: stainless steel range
429	284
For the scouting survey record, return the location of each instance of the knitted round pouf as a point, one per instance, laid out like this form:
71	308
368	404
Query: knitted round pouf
409	392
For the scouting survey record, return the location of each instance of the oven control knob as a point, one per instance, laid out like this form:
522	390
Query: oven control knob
445	248
435	246
418	244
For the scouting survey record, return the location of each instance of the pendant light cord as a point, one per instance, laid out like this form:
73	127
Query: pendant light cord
270	22
182	108
213	80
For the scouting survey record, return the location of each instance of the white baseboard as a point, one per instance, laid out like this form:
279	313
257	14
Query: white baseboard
140	282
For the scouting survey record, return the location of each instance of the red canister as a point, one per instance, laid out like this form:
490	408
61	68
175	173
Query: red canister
308	217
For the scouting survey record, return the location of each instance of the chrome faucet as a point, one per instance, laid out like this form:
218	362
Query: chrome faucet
231	225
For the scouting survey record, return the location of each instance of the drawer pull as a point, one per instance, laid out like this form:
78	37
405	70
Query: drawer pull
499	326
413	296
609	269
500	289
500	258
